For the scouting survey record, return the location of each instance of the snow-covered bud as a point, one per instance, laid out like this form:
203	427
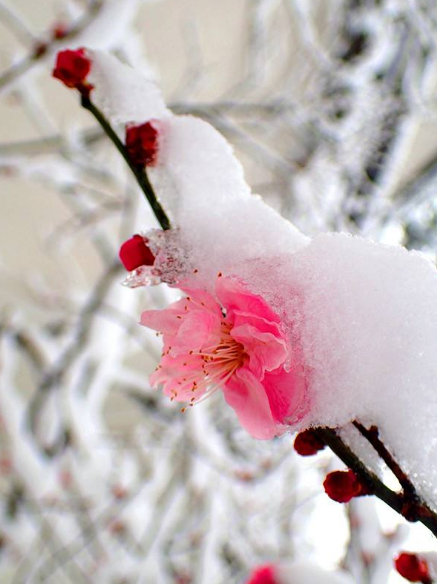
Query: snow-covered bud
265	574
142	144
413	568
72	68
307	443
135	253
344	485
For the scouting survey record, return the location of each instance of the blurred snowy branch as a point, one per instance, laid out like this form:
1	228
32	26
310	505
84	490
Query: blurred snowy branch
101	479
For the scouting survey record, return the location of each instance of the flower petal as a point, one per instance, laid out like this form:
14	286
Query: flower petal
266	352
234	296
169	320
177	375
165	321
198	326
287	393
247	396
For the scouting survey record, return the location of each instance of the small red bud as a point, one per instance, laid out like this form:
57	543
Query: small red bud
72	68
135	253
142	144
307	443
265	574
39	50
412	568
342	486
59	31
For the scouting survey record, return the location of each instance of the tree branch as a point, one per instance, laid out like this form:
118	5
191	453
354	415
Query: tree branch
402	503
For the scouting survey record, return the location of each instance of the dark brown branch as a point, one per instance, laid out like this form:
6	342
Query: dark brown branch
372	436
414	505
399	502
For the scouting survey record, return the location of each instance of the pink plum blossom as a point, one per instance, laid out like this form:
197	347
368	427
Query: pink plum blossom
233	342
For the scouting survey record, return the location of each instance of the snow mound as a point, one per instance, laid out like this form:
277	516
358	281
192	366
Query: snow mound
364	314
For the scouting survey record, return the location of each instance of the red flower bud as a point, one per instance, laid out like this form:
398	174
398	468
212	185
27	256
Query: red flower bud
344	485
72	68
135	253
307	443
413	568
263	575
59	31
142	144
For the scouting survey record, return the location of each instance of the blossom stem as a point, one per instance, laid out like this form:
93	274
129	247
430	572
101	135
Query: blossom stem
372	436
138	171
414	505
403	503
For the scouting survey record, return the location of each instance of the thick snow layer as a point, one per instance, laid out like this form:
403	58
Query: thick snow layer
364	314
198	179
366	317
123	94
202	185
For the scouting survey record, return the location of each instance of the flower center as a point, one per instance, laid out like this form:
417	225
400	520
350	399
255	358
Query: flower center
218	363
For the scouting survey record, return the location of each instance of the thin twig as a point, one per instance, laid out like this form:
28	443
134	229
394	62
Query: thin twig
138	171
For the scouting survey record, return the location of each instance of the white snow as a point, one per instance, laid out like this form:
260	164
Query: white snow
365	314
123	94
198	179
304	572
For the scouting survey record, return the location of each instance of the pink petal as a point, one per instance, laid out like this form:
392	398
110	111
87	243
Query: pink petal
287	394
198	326
234	296
266	352
165	321
202	300
177	374
246	395
259	322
